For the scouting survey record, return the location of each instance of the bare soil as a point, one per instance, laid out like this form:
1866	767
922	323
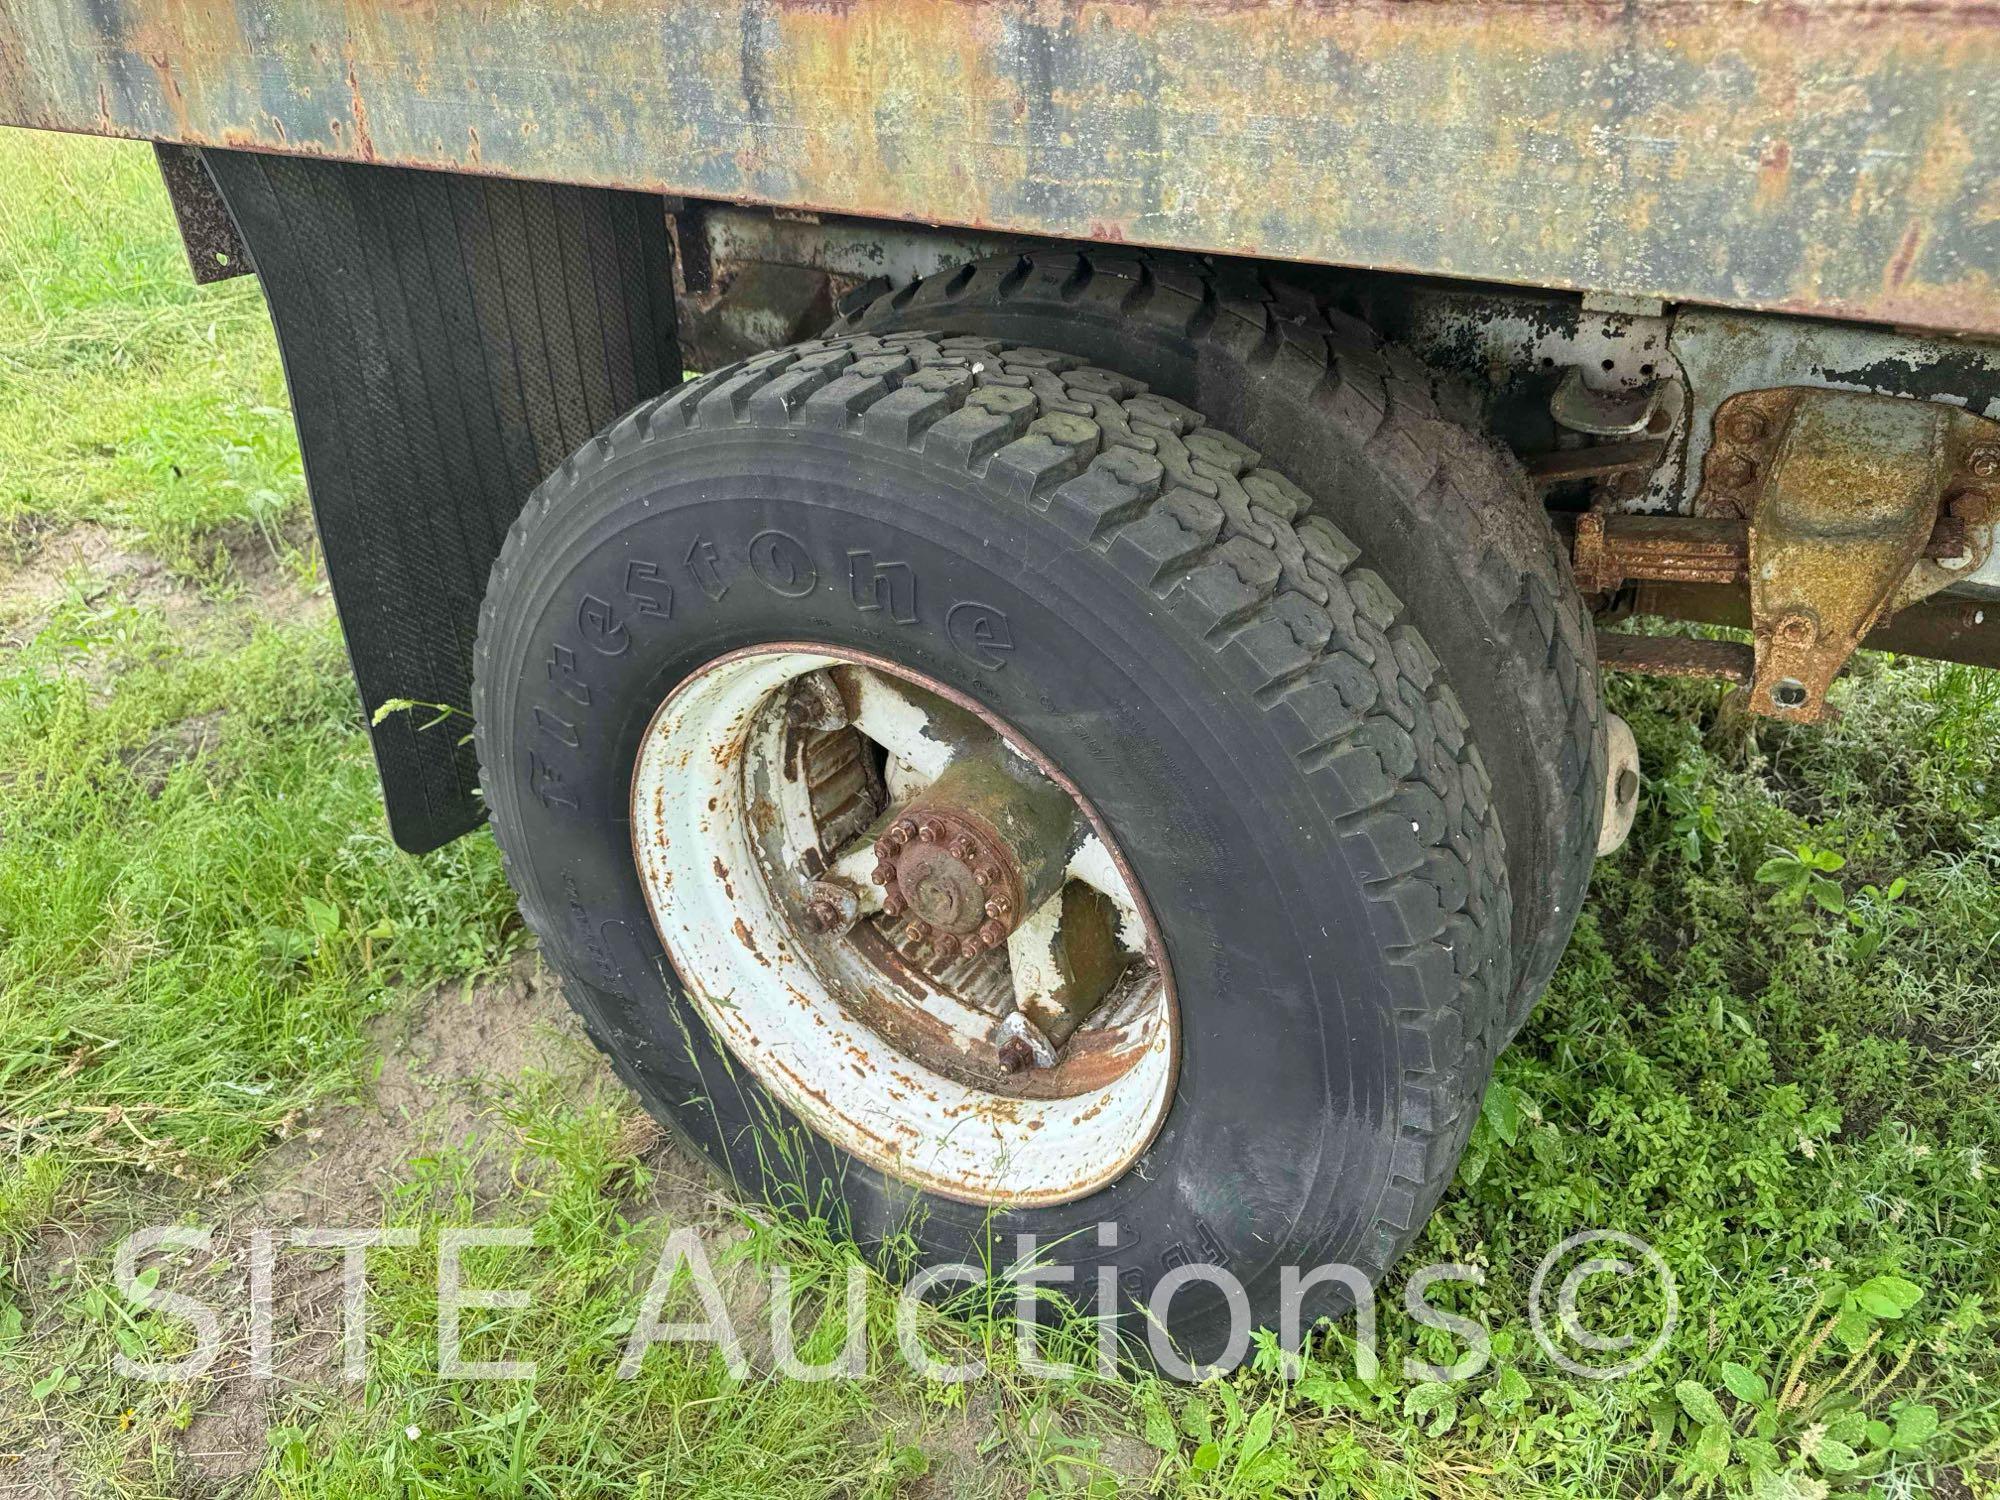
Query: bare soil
40	569
449	1066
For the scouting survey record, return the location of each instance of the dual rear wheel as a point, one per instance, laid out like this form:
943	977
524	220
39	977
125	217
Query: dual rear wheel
962	785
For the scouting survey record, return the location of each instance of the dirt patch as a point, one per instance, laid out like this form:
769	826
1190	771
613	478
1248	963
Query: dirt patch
88	557
258	578
448	1067
152	763
444	1065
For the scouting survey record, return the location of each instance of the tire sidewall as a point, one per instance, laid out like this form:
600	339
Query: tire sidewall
1280	1137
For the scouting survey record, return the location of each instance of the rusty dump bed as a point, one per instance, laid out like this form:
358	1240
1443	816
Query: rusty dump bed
1838	158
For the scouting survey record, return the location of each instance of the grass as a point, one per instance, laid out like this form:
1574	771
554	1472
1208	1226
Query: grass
128	395
1773	1051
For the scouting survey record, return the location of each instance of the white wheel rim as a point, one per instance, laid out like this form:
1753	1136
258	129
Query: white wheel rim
714	824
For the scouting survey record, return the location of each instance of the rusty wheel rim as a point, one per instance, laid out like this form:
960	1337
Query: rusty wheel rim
906	923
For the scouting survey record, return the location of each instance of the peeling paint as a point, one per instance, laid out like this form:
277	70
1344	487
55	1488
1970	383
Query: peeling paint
1836	159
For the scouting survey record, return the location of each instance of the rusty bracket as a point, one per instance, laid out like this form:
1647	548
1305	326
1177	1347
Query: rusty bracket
215	251
1603	408
1856	505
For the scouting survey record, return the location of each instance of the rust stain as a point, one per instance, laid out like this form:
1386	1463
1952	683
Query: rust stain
364	142
1774	176
1906	256
1489	141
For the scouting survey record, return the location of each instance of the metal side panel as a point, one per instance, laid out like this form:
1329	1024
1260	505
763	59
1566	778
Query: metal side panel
1839	158
448	341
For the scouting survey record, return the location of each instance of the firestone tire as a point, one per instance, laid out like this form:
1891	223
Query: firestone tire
1253	710
1366	431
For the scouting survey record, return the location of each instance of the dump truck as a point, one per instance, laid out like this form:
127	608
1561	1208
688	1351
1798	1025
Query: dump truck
1084	718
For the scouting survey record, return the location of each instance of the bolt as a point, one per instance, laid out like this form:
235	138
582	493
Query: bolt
832	906
816	703
999	906
961	847
932	830
1016	1056
1984	461
1746	425
883	873
947	946
1735	471
992	935
1796	630
893	904
986	876
903	832
1973	507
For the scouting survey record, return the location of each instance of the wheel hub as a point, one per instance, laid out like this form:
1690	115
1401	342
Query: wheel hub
956	879
873	893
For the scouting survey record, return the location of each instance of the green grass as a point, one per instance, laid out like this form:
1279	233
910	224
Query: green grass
1773	1051
128	395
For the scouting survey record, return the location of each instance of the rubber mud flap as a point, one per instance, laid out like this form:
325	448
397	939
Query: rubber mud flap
447	340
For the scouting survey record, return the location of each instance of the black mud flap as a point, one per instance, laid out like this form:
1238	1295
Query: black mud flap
448	341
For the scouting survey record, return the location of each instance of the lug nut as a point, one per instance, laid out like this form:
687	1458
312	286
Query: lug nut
1984	461
961	848
883	873
1016	1056
992	934
903	832
1974	507
932	830
999	906
832	906
947	946
894	905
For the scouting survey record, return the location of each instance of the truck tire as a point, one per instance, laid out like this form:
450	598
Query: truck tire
709	625
1357	425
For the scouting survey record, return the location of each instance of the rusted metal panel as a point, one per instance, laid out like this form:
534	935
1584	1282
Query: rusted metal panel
1835	158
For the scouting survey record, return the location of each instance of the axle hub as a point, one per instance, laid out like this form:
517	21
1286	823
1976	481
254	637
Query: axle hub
972	854
951	877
